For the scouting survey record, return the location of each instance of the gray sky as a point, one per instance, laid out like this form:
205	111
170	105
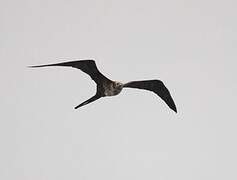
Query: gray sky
190	45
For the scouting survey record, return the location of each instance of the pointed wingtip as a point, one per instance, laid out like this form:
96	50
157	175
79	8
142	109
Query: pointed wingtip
175	110
36	66
33	66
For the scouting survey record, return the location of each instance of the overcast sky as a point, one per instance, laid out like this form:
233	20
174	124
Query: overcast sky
190	45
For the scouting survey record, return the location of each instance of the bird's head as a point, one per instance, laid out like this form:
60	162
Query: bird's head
118	85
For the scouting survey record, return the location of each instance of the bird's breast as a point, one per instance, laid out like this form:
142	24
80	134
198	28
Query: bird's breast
112	91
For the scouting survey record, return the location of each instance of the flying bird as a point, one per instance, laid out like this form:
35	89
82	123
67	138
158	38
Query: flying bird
107	87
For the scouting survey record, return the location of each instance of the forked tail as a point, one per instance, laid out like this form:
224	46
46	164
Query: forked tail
95	97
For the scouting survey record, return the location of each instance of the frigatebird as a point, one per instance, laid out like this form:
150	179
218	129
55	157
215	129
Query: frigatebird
107	87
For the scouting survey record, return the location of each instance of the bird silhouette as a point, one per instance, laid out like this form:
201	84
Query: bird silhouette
107	87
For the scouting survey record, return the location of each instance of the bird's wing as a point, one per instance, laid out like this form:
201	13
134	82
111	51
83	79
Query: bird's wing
87	66
157	87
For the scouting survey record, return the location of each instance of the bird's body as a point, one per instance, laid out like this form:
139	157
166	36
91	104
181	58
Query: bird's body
112	89
107	87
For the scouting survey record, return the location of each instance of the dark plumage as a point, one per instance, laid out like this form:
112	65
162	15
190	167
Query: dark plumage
107	87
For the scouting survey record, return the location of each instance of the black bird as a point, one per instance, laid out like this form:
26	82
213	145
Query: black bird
107	87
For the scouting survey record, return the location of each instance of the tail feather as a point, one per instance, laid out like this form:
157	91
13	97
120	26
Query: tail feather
95	97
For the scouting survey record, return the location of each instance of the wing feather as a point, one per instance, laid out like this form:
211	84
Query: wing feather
155	86
87	66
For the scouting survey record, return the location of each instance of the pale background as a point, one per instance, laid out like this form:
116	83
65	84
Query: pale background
190	45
